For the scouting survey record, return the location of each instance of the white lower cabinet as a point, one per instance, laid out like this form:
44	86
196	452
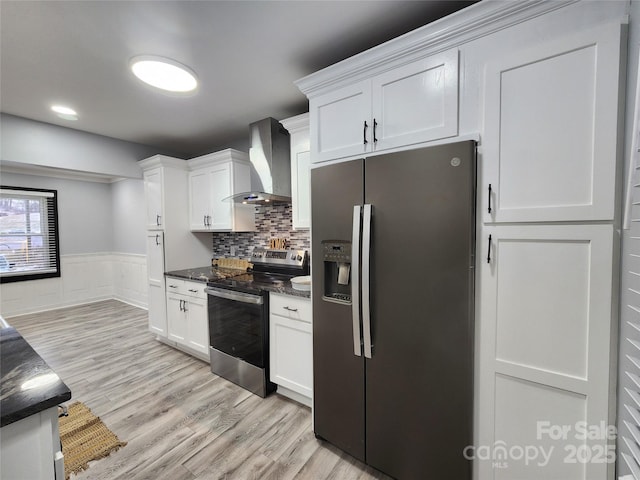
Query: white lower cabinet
30	448
290	345
187	322
547	349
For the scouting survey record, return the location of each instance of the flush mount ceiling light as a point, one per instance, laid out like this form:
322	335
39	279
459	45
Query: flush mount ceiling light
65	112
164	73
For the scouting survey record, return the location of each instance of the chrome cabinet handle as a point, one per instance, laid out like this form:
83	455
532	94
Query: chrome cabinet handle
181	304
355	280
290	309
489	251
366	280
193	290
364	132
173	286
158	220
204	220
375	125
157	237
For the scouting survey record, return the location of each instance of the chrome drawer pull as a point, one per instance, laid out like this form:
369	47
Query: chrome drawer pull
290	309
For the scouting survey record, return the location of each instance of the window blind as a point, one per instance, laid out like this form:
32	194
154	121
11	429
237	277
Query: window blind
29	245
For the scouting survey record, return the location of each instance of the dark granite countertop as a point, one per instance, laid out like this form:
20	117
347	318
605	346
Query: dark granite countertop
287	289
214	274
200	274
29	386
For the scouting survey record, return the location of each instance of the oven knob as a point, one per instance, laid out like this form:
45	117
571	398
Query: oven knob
293	257
299	257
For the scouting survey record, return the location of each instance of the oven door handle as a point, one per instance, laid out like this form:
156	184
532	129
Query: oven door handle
236	296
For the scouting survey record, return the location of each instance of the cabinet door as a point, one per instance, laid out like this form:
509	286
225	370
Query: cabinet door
221	211
545	339
198	330
155	279
551	129
301	190
153	195
291	354
417	102
177	321
338	119
199	200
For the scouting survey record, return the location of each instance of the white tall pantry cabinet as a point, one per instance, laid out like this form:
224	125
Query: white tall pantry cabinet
540	85
170	244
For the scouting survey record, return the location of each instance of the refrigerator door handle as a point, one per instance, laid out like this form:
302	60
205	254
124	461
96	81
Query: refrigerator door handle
355	281
366	280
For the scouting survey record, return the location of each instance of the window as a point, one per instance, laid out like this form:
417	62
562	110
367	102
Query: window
29	247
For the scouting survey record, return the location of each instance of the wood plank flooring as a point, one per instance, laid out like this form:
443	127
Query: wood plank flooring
180	420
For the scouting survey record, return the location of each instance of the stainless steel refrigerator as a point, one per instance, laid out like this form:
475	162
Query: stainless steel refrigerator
393	298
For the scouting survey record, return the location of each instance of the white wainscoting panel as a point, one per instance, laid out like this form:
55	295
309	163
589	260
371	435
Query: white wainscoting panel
130	278
85	278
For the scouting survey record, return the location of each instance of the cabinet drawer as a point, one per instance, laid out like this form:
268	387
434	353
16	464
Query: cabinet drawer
296	308
195	289
185	287
175	285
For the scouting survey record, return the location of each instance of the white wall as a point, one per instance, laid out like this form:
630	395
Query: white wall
36	143
128	216
102	227
84	211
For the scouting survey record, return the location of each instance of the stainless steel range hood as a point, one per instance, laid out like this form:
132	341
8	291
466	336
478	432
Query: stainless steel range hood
270	156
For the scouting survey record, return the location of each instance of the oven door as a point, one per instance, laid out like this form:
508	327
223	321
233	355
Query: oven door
237	325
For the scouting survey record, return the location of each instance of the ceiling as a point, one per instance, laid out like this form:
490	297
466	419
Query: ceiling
246	54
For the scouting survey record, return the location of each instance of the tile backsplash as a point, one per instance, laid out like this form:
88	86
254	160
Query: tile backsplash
272	221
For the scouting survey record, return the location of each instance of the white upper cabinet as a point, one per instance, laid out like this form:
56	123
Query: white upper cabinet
199	199
213	178
410	104
221	211
298	128
153	196
551	127
416	103
342	118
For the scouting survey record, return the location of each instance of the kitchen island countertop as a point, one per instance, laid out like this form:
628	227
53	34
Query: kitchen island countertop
29	385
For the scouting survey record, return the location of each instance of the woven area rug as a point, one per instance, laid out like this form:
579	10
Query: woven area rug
84	438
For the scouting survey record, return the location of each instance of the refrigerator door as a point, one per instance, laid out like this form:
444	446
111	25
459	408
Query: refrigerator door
419	381
338	374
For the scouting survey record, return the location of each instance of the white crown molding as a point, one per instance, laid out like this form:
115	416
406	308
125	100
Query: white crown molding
476	21
162	161
297	123
226	155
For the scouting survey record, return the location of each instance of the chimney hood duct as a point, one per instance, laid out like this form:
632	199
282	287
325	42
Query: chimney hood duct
270	157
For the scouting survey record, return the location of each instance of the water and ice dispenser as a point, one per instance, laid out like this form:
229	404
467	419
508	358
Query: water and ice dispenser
337	270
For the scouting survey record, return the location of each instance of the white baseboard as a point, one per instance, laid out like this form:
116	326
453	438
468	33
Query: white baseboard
85	278
285	392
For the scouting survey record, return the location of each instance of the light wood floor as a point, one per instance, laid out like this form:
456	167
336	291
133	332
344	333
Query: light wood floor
180	420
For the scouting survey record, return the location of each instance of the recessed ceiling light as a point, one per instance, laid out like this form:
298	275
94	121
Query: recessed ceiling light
164	73
65	112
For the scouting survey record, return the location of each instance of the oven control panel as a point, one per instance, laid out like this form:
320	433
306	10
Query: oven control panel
284	257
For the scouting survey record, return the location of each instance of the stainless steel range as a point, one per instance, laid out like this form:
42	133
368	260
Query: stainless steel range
239	317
